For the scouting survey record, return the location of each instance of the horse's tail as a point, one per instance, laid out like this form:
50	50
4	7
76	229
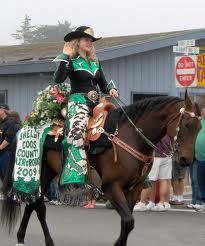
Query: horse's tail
11	209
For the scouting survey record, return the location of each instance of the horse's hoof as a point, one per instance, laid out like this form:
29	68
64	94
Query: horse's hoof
20	244
51	243
109	205
118	243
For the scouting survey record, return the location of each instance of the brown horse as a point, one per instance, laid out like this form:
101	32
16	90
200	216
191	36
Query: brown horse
122	181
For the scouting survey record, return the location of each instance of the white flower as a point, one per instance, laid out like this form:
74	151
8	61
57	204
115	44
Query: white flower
46	113
47	88
42	122
48	96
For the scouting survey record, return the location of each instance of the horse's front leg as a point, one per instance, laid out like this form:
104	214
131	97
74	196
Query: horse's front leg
40	209
24	223
115	192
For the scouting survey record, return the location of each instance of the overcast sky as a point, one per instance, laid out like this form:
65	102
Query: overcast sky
107	17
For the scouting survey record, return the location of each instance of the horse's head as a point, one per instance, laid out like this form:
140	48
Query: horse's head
187	126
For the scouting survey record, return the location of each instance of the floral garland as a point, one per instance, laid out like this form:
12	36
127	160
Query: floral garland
48	105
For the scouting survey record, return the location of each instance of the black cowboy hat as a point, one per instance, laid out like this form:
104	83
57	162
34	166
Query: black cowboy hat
81	32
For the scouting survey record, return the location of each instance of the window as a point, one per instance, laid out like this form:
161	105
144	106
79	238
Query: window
3	96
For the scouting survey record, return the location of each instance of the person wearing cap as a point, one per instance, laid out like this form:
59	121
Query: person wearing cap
79	63
8	129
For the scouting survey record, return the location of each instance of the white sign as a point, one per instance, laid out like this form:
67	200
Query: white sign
192	50
180	49
186	50
187	43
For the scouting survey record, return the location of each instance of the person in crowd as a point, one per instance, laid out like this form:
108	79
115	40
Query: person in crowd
8	129
91	202
196	196
53	194
161	171
178	175
200	156
16	116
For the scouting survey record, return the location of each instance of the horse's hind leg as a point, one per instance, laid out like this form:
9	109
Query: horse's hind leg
41	213
24	223
120	203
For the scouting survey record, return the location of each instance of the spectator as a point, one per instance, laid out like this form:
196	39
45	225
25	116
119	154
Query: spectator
196	196
96	181
178	175
162	171
200	155
53	194
8	129
91	203
16	116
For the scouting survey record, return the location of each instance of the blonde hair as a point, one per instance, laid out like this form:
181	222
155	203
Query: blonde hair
91	56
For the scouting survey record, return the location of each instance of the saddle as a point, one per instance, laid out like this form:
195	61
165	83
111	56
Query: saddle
95	123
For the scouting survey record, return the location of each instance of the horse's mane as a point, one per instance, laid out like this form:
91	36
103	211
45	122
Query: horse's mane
136	110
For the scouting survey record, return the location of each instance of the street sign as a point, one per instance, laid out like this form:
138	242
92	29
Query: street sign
180	49
186	50
192	50
187	43
186	71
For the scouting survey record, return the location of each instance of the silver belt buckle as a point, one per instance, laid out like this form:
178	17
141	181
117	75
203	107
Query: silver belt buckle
93	96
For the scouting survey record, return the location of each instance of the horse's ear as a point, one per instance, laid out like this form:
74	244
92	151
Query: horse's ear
188	102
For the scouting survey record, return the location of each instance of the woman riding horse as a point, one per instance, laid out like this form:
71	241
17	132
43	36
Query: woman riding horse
122	181
79	62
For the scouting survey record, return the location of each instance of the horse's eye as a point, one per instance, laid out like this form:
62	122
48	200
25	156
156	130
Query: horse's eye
187	125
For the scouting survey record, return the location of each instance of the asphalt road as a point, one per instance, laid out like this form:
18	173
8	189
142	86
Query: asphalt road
100	227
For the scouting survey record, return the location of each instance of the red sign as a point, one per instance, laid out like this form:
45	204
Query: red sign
186	71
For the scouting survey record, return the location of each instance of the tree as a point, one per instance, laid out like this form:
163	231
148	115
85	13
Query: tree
50	33
43	33
25	31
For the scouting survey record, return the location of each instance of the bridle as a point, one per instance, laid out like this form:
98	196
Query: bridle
182	112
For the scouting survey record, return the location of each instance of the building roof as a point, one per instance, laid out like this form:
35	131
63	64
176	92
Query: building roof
107	48
41	51
36	58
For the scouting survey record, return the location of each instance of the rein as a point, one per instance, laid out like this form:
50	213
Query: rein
138	130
